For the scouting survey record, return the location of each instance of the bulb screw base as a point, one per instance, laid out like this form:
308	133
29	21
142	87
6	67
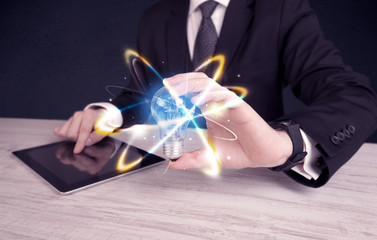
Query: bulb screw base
173	149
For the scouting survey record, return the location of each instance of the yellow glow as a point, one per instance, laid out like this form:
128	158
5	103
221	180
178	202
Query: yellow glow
214	168
122	166
103	126
132	53
215	109
219	70
240	91
218	108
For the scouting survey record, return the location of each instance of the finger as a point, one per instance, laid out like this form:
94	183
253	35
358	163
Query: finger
186	76
194	86
61	131
74	126
80	143
200	79
57	130
222	95
85	130
187	80
192	160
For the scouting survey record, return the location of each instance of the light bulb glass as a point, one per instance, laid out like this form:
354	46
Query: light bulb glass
172	116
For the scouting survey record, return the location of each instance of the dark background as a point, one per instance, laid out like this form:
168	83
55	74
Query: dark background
58	56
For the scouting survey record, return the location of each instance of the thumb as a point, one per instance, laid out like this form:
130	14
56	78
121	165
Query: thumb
196	159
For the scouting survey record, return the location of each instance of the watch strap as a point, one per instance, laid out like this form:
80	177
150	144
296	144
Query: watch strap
293	130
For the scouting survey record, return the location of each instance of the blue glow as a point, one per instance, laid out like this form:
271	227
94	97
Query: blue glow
170	113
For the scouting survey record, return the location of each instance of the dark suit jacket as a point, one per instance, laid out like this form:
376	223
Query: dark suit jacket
269	44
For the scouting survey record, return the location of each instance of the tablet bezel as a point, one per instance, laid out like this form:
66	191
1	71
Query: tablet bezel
64	188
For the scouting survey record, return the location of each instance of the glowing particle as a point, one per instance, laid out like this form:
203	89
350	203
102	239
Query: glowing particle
228	157
145	138
238	75
228	120
190	139
110	99
154	136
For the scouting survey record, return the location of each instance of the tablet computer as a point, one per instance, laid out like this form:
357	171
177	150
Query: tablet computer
68	172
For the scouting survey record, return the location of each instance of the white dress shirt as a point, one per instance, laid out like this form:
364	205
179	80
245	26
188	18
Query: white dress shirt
195	17
308	167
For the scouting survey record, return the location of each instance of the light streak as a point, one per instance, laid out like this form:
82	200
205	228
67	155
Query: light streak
121	166
219	71
214	167
230	131
132	53
241	92
103	125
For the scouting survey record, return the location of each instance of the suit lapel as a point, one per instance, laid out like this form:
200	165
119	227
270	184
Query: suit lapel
238	16
178	58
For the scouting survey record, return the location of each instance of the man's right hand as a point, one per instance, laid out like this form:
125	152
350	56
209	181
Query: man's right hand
79	128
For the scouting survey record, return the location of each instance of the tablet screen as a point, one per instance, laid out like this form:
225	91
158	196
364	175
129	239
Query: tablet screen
67	172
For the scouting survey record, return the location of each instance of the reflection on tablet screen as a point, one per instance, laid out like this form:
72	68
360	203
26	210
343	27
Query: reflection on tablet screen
66	171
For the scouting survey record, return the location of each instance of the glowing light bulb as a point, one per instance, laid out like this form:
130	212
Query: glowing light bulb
172	116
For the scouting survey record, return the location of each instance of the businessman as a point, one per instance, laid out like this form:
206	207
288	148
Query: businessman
268	44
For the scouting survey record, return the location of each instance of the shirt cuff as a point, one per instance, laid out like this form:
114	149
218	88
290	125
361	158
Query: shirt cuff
113	115
308	167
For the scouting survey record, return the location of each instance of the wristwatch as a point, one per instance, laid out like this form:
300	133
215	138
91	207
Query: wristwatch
298	154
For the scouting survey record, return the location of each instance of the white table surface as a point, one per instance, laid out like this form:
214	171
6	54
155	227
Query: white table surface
238	204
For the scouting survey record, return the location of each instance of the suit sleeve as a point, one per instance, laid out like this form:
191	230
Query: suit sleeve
133	101
341	107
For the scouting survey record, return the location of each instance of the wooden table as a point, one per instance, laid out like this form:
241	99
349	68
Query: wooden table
238	204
